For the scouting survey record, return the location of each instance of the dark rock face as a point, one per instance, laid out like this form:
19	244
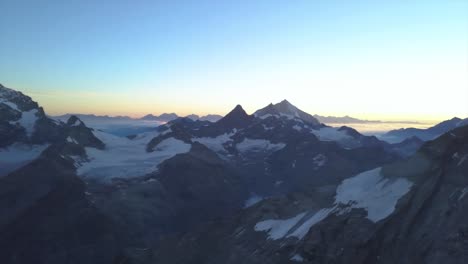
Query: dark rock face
237	118
78	132
407	147
46	129
193	179
23	102
10	133
176	130
46	218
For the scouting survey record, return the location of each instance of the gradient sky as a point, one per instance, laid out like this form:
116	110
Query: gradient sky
369	59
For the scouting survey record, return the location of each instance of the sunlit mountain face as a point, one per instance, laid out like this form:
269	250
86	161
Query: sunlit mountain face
209	132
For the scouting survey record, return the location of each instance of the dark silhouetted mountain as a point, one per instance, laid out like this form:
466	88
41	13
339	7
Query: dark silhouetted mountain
193	117
237	118
161	118
424	134
343	120
91	117
211	118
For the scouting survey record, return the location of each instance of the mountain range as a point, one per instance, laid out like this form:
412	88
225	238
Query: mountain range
275	186
430	133
163	118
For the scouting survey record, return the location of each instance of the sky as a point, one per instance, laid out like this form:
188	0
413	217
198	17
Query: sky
387	60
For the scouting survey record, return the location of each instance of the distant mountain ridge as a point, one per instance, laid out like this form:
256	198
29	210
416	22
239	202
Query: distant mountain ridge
401	134
165	117
343	119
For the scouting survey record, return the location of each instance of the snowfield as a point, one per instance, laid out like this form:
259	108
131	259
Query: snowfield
368	190
216	143
331	134
371	191
257	145
278	228
17	155
125	158
253	200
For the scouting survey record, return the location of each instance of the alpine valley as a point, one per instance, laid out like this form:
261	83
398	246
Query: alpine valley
275	186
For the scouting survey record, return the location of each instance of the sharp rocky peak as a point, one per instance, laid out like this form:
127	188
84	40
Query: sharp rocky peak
237	118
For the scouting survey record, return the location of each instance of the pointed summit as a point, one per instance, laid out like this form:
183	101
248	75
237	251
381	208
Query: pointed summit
78	133
74	121
237	118
286	110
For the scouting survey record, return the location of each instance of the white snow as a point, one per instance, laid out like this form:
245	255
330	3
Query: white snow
267	127
257	145
462	160
17	155
126	158
298	128
302	230
464	191
27	120
10	104
216	143
330	134
289	116
263	116
253	199
77	123
368	190
297	258
319	160
166	132
371	191
278	228
71	140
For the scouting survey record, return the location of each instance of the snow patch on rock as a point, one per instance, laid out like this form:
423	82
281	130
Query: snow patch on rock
331	134
253	199
71	140
297	258
368	190
258	145
28	120
278	228
216	143
374	193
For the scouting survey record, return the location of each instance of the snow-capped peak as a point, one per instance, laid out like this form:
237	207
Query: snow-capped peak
18	110
287	110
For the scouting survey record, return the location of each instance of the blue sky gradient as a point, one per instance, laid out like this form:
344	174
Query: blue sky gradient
370	59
